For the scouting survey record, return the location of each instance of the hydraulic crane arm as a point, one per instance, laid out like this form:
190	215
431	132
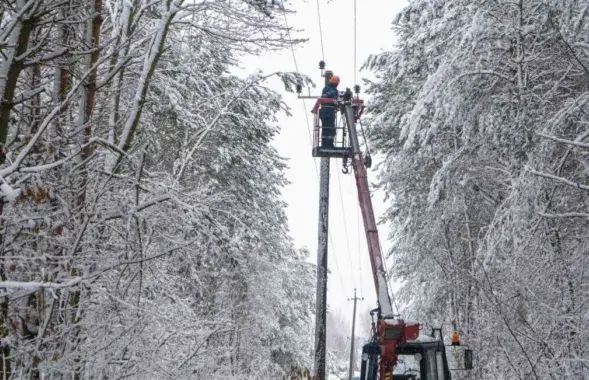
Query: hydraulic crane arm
391	332
376	261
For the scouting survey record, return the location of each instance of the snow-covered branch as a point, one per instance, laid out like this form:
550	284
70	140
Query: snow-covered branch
113	267
46	122
564	215
140	207
557	178
33	286
483	73
564	141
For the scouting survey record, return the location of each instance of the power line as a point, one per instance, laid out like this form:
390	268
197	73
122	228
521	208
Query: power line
355	40
356	82
294	58
358	239
320	31
345	224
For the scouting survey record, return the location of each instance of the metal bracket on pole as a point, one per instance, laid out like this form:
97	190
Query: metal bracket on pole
327	74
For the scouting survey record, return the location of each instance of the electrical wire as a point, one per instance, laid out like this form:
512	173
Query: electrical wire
364	138
320	31
345	226
359	250
294	58
311	141
389	286
355	42
363	134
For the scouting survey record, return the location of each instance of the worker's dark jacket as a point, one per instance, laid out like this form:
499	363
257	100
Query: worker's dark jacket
327	111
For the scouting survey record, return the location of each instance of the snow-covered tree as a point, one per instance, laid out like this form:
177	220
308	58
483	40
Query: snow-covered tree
481	113
143	234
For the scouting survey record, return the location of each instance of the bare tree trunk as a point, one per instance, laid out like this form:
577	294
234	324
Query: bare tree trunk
89	91
62	73
12	67
87	106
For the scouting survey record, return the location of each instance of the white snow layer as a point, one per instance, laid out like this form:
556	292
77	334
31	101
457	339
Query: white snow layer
6	191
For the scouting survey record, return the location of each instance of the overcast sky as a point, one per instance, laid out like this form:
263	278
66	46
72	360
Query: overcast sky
348	257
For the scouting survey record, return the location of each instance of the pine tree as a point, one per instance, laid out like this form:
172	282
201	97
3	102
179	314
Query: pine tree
141	216
477	110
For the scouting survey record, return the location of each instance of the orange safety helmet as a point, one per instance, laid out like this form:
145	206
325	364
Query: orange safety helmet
334	79
455	338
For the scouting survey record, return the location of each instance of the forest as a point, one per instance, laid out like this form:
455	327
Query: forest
140	219
142	230
481	110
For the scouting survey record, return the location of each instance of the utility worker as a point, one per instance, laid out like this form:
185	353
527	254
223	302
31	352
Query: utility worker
327	113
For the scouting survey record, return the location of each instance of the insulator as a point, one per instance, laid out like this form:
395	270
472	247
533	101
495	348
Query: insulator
357	89
299	88
322	65
348	95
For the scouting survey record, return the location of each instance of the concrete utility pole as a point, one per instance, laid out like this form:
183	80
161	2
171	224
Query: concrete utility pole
321	300
355	299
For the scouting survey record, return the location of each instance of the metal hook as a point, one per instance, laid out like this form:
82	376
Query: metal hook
345	165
